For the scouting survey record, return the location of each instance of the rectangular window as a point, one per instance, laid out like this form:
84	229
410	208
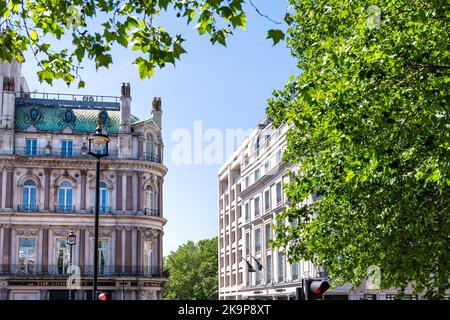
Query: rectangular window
269	269
258	274
27	255
62	256
247	212
295	271
281	264
247	244
268	234
257	175
279	193
247	182
103	256
148	257
257	210
31	147
279	155
66	148
267	200
267	167
258	240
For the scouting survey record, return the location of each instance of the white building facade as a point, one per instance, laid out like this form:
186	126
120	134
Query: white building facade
47	190
250	196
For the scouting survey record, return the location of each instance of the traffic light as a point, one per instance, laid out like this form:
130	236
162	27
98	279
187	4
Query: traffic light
315	288
104	296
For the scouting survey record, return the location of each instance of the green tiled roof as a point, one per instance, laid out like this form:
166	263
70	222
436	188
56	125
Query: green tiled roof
53	119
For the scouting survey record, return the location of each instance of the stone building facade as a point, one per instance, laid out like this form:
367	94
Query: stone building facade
250	188
47	189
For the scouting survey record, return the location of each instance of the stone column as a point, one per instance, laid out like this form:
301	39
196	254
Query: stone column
128	251
160	194
160	251
45	249
139	191
119	186
129	198
47	172
140	147
139	249
1	188
118	257
82	249
83	190
9	190
6	248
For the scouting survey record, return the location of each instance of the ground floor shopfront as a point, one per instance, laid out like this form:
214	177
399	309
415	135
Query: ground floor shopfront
127	288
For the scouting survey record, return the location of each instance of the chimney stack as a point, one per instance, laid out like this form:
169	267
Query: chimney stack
156	111
125	108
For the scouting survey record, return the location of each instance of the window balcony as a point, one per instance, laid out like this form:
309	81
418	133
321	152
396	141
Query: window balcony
64	209
153	157
76	153
28	208
55	271
152	212
102	210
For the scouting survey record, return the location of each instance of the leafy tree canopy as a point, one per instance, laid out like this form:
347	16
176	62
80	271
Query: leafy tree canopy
369	119
95	26
193	271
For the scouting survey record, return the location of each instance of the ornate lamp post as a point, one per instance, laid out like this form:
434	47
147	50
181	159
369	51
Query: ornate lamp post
98	148
71	241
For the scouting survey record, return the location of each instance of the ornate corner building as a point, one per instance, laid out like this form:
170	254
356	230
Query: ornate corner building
47	190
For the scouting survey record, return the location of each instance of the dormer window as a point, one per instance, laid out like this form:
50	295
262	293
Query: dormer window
34	114
69	117
103	116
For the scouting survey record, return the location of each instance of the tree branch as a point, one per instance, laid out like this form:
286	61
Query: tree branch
262	14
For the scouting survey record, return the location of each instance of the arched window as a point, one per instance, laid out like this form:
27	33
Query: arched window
65	197
29	196
104	199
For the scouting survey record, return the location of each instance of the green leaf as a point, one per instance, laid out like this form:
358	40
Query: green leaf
276	35
33	35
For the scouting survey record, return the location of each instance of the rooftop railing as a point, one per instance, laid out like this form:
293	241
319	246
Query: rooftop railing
70	100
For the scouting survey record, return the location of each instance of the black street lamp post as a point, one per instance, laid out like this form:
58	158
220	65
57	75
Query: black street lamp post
71	241
98	148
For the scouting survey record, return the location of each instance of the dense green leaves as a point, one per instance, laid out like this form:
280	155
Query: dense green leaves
370	120
95	26
193	271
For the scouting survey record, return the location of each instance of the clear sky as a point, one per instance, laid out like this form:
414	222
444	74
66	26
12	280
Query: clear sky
224	88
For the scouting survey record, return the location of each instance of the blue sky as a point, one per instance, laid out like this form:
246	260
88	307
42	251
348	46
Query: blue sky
225	88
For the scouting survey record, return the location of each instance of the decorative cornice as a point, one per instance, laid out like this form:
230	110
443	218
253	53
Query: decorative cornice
27	232
11	162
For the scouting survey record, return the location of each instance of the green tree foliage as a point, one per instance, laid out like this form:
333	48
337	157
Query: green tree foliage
370	133
95	26
193	271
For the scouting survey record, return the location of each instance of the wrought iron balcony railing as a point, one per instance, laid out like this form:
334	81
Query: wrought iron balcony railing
152	157
41	271
77	153
28	208
65	209
102	209
152	212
